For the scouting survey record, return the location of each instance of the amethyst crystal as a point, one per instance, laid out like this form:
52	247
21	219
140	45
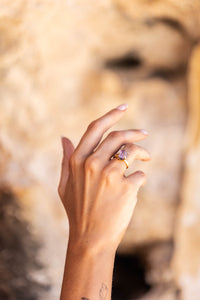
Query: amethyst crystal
122	154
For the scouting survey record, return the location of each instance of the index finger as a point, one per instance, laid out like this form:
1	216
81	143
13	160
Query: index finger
97	128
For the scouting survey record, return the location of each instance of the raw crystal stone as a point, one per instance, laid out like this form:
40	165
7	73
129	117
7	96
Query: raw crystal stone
122	154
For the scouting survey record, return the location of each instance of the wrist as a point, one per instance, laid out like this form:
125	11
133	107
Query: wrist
83	246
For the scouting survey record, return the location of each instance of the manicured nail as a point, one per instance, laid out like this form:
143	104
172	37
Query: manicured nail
122	106
144	131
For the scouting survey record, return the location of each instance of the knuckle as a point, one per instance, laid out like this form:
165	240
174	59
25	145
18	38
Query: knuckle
74	160
108	174
115	134
94	125
92	163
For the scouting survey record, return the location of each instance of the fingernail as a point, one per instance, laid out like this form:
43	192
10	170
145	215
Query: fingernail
144	131
122	106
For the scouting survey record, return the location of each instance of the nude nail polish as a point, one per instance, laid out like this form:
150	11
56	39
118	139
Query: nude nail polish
122	106
144	131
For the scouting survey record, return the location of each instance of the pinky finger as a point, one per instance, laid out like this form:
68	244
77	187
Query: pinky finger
137	179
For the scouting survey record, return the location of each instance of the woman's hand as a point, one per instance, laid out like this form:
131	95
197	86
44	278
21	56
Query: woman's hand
99	201
98	198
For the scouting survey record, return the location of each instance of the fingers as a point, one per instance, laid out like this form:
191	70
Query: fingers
133	152
137	179
68	149
96	130
136	152
116	139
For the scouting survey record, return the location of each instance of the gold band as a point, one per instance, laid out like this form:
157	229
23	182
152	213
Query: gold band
126	163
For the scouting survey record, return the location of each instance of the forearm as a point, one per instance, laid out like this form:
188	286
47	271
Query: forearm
88	273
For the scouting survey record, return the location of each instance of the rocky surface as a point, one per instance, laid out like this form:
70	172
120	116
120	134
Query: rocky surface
62	64
186	261
18	253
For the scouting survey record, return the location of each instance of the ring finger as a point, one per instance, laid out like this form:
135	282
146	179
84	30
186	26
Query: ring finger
116	139
131	153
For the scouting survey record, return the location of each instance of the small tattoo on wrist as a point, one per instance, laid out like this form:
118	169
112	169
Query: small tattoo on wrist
103	292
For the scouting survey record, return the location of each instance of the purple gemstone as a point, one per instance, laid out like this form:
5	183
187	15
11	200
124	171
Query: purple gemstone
122	154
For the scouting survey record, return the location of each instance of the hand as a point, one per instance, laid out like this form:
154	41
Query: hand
98	198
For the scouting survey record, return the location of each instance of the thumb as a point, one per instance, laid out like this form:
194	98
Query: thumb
68	149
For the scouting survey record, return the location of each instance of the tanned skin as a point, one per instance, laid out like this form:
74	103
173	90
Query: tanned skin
99	201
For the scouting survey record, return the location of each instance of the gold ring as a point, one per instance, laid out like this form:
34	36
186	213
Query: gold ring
121	155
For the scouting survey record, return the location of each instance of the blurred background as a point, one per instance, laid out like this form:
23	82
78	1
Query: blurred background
64	63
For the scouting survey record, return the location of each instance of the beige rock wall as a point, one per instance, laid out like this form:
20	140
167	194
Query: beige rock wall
64	63
186	260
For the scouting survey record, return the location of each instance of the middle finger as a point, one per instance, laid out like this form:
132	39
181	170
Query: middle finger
116	139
